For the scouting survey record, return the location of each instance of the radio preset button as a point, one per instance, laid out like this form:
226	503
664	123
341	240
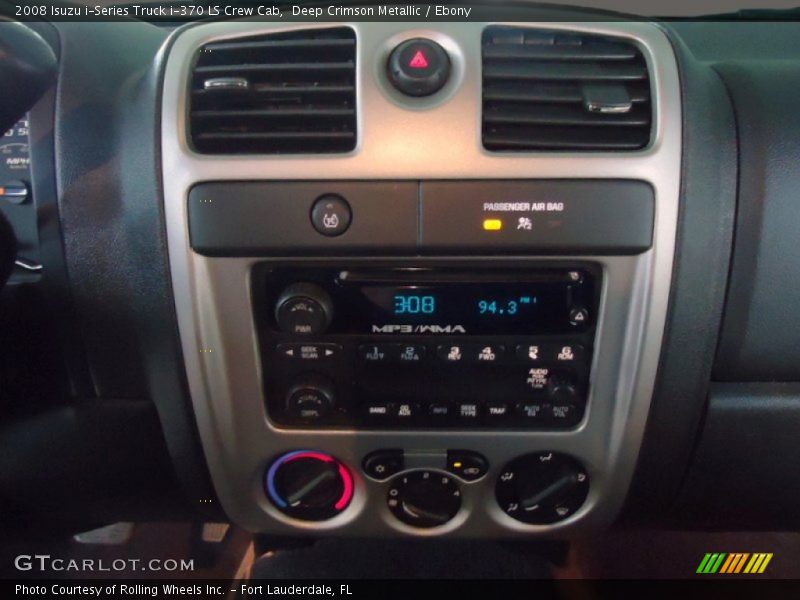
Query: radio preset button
487	353
451	353
565	354
531	353
375	353
409	353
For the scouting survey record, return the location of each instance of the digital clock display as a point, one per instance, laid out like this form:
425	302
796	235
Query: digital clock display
414	304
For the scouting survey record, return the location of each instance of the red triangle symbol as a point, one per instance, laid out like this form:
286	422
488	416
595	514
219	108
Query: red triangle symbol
419	61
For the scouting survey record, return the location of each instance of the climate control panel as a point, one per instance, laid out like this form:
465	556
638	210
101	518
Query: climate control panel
425	489
426	347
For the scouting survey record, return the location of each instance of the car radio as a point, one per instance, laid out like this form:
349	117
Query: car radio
426	347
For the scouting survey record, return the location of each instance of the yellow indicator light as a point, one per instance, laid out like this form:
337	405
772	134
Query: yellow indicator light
492	224
457	465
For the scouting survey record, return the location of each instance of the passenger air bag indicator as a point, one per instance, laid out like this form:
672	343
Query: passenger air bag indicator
613	217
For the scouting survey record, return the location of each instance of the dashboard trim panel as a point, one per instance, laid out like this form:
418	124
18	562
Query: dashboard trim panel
216	318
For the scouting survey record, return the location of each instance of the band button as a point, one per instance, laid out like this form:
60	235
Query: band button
380	410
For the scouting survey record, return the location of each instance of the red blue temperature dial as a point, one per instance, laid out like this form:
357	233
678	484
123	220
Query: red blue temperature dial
309	485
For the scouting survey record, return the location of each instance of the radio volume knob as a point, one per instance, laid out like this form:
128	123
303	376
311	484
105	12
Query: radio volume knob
303	309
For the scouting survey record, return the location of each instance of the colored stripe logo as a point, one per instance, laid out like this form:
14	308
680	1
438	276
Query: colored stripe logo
734	563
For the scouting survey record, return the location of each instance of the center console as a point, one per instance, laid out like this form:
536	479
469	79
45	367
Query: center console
426	347
419	333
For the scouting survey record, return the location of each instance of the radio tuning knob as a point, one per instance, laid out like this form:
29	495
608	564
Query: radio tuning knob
311	397
303	309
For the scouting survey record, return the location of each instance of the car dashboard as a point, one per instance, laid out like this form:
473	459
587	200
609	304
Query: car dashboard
502	279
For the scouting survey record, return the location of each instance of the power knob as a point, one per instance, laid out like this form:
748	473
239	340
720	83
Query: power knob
303	309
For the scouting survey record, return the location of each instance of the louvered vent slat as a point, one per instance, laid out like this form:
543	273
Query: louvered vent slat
287	93
550	90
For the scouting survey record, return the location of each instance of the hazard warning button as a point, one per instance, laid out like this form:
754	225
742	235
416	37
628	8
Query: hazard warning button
419	67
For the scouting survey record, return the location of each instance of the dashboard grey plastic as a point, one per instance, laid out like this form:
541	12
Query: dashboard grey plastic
215	316
758	341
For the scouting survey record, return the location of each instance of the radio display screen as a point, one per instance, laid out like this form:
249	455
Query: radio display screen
467	308
438	301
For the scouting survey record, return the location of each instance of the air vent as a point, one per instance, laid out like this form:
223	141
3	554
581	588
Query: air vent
553	90
286	93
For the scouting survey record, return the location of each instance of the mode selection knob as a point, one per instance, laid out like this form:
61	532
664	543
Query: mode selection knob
309	485
311	397
542	488
303	309
424	498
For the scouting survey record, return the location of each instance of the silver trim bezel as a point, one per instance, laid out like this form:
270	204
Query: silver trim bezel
213	299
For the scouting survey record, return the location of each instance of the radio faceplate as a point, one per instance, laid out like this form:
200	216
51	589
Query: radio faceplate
386	348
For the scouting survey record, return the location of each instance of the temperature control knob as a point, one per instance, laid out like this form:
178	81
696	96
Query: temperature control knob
303	309
424	498
309	485
542	488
